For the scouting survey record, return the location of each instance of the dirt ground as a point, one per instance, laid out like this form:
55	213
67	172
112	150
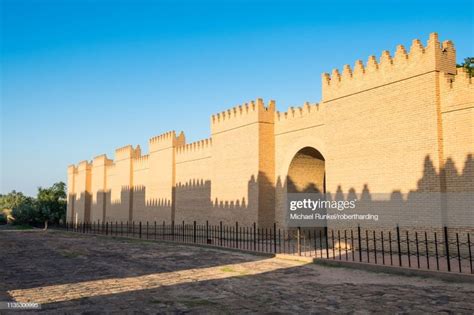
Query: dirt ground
74	273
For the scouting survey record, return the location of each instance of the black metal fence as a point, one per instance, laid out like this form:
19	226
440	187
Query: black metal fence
432	250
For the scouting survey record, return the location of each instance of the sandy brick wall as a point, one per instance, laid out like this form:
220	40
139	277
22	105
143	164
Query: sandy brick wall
193	182
110	178
378	129
457	114
120	186
141	174
161	180
71	172
99	187
237	173
82	186
390	132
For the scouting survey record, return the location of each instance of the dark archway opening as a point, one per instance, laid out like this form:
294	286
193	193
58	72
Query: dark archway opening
306	173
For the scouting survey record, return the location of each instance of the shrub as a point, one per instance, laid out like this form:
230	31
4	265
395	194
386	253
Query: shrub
48	206
3	219
26	213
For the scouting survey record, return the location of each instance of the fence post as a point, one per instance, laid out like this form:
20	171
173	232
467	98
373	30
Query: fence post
360	243
107	228
140	229
163	230
383	248
183	232
399	247
375	247
408	249
470	253
236	234
427	251
459	253
194	232
220	233
298	241
172	230
274	237
207	232
417	250
446	244
326	234
254	236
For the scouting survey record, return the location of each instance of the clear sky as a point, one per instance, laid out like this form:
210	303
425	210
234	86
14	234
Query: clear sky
81	78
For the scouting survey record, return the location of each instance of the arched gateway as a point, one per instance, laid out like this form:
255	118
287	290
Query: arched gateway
307	172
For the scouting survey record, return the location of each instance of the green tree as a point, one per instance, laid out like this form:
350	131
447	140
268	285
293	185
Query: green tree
49	206
26	212
51	203
468	65
10	201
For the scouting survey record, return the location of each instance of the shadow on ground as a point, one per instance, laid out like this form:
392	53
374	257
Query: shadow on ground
79	273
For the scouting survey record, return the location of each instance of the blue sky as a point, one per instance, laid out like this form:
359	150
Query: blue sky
81	78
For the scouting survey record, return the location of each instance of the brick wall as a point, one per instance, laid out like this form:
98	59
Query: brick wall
391	131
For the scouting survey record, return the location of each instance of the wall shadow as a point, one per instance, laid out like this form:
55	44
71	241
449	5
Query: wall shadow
221	295
439	200
287	290
58	258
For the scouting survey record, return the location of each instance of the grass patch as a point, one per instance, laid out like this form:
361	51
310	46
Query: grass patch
228	269
232	270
